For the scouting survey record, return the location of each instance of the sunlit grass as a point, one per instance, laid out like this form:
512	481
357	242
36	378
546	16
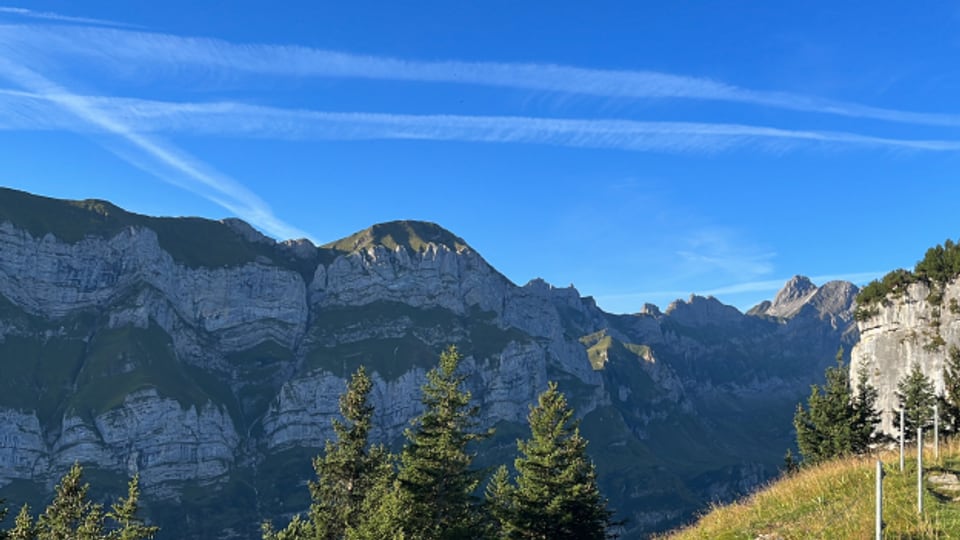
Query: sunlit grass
836	500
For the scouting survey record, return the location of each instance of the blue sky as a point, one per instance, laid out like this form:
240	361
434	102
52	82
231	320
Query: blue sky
641	151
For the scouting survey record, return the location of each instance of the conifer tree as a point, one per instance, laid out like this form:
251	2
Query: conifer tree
917	398
23	527
436	482
346	472
71	515
384	511
864	413
500	499
556	495
349	467
129	526
836	421
950	403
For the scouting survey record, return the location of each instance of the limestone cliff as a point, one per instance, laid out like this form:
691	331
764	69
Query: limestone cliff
209	358
910	326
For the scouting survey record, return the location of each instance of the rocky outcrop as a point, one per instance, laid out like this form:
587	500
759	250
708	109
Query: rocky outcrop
909	327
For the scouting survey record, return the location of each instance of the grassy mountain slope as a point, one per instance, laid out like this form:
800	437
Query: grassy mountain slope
413	235
836	500
193	242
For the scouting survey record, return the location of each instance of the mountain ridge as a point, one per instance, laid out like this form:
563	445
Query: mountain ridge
233	370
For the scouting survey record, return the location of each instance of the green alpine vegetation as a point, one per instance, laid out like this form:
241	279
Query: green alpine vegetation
939	265
950	401
193	242
834	500
431	490
72	516
415	235
837	421
555	494
917	398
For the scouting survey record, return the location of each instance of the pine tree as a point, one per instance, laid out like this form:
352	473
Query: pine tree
384	511
500	496
23	527
123	513
349	467
346	472
556	495
436	482
950	403
297	529
71	515
836	421
917	398
790	464
864	413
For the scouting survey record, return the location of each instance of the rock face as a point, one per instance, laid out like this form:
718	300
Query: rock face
209	359
908	328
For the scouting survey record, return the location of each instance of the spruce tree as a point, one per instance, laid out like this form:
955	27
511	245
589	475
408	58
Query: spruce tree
837	421
950	403
71	515
23	527
556	495
384	511
436	482
500	497
129	526
349	467
346	472
917	398
864	413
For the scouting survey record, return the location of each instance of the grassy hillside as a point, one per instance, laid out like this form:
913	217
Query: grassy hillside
414	235
193	242
836	501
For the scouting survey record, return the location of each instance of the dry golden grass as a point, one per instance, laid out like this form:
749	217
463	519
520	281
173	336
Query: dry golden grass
836	500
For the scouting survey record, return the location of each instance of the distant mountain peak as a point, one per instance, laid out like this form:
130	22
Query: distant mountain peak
702	311
797	287
414	235
795	293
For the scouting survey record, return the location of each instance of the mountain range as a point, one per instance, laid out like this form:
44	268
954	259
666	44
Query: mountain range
208	358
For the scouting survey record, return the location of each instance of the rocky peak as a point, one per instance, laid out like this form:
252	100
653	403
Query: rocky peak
760	309
651	309
415	236
702	311
794	294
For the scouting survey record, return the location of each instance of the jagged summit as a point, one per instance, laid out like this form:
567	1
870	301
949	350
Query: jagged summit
795	293
799	295
797	289
416	236
702	310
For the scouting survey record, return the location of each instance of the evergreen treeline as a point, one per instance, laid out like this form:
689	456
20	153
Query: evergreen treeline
939	265
71	516
839	420
431	490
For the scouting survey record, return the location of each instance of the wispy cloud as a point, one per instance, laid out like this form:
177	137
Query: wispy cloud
31	111
725	252
57	17
168	54
162	159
